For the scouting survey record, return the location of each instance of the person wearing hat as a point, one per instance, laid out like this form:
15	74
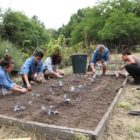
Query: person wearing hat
32	70
100	58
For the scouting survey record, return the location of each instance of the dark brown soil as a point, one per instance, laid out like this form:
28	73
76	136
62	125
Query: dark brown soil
88	101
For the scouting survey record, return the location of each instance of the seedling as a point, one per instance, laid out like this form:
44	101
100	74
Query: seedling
35	94
60	83
53	85
98	68
49	110
43	108
66	99
18	107
94	76
80	86
72	88
30	102
51	91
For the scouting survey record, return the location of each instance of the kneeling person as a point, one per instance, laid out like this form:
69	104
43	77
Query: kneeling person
132	66
32	69
6	66
50	67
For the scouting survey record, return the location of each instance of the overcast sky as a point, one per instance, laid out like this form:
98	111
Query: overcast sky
53	13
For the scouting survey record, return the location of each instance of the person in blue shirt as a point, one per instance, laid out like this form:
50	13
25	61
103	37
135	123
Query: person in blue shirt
100	57
6	66
32	70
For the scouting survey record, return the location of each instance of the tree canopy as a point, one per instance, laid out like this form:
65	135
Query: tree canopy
26	33
114	22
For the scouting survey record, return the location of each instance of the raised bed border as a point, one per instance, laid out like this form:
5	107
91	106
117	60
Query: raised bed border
66	133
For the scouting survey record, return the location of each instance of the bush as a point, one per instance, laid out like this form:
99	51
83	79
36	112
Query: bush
67	52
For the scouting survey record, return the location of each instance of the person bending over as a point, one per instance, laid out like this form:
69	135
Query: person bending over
6	83
32	70
132	66
50	67
100	57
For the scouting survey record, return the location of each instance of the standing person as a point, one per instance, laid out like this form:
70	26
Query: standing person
133	66
100	56
32	69
6	66
50	66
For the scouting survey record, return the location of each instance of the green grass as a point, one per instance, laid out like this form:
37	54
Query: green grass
133	133
125	105
80	137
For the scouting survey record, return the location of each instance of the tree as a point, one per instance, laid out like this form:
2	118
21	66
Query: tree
113	22
18	28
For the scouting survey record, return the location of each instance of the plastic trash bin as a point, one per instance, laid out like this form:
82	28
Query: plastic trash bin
79	63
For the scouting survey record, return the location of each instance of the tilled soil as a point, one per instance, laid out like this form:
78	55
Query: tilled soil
77	101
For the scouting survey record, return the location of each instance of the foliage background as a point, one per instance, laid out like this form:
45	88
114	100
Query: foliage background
115	23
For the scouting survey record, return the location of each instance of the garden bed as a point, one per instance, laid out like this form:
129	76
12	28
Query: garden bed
74	102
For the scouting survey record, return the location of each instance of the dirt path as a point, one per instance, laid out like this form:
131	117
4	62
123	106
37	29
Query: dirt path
121	125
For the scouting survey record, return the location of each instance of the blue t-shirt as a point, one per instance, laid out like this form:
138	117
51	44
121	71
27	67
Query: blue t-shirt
5	81
30	67
97	56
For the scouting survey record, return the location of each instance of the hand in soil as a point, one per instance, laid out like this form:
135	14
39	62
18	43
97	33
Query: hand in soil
59	76
39	80
24	90
29	87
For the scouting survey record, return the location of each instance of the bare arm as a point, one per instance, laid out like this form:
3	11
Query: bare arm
130	60
18	86
19	89
25	76
56	74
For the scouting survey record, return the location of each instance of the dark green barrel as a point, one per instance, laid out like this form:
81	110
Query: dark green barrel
79	63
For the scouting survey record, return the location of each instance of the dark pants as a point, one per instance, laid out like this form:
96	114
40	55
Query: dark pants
31	77
134	71
48	75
